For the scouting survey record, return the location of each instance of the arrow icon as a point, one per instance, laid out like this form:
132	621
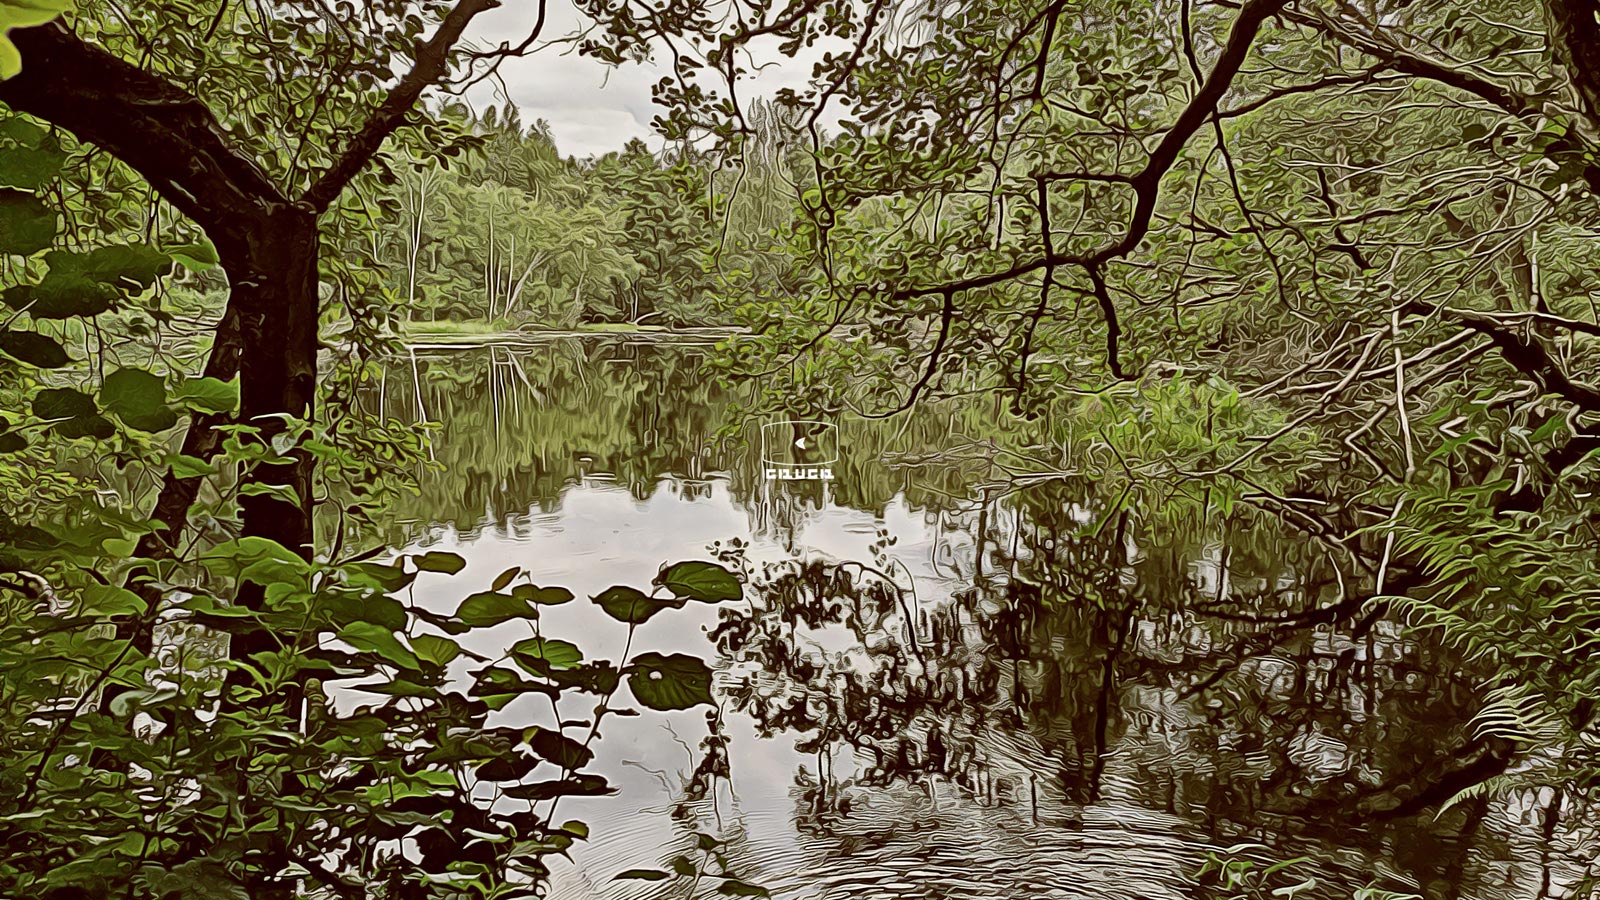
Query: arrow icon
800	442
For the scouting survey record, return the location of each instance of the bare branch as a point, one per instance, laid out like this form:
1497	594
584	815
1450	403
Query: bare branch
431	65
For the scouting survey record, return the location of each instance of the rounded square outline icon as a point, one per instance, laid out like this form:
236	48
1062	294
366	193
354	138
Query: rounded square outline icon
792	422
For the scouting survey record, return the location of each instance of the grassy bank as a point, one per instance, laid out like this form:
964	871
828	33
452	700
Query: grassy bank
478	327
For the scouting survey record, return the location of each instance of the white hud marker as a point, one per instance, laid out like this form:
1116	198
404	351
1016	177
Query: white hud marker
799	449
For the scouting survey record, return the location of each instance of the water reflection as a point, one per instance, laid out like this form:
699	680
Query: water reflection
942	687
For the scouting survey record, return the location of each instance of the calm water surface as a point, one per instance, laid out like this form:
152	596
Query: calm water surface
1071	711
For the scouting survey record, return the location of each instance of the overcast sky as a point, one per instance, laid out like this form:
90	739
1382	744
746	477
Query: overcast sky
592	108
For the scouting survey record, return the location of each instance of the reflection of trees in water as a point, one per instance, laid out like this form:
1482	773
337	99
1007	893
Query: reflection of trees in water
1093	657
517	425
1087	655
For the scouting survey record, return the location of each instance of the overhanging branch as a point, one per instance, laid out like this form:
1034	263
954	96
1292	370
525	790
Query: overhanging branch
160	130
1146	183
431	65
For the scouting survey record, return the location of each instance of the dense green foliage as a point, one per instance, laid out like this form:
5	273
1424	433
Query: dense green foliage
512	233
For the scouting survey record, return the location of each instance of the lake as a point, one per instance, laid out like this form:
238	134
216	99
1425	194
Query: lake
940	683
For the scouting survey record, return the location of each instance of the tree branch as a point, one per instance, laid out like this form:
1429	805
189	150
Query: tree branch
432	63
1146	183
160	130
1526	354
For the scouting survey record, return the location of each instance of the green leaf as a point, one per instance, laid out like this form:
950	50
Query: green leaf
440	561
23	14
553	596
25	537
733	887
541	655
97	427
558	748
208	395
487	608
390	577
34	349
26	224
129	702
280	492
61	296
434	649
497	686
63	403
239	556
196	257
585	785
372	638
106	600
626	604
188	466
703	581
29	167
662	682
342	608
138	398
504	578
22	130
131	268
642	875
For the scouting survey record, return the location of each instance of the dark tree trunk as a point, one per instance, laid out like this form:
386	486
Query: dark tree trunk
273	273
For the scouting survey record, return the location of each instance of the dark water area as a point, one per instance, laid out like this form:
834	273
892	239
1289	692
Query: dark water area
941	684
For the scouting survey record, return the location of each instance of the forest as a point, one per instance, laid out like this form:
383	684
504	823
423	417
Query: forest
1214	511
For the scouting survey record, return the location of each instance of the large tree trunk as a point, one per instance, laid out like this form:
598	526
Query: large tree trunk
274	277
272	271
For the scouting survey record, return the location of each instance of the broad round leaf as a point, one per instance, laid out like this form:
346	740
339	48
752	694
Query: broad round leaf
582	785
380	640
703	581
551	596
441	561
196	257
23	14
559	749
626	604
61	296
542	655
34	349
29	167
138	398
188	466
487	608
661	682
130	268
63	403
434	649
97	427
208	395
26	224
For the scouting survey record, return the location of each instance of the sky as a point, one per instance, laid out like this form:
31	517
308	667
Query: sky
592	108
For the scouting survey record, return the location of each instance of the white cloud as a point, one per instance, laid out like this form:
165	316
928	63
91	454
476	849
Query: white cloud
594	108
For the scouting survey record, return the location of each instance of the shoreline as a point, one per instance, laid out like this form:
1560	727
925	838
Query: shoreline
449	340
